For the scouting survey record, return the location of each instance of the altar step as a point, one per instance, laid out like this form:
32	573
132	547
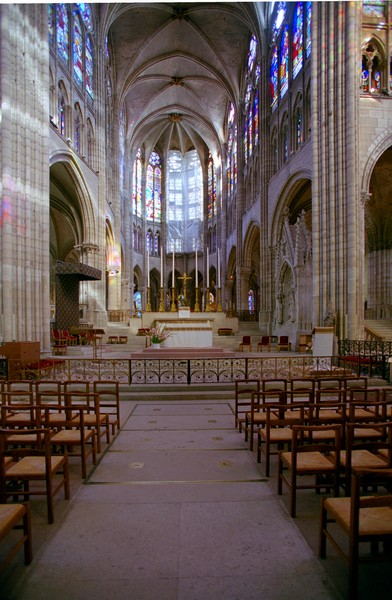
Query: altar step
151	393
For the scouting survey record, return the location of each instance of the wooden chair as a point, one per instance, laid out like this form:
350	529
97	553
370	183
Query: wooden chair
264	342
93	417
277	430
113	339
54	397
109	401
243	389
32	464
73	435
18	409
362	519
59	346
310	458
284	343
257	415
123	339
246	343
72	340
365	449
16	516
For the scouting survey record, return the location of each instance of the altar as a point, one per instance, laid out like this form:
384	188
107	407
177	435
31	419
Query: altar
187	333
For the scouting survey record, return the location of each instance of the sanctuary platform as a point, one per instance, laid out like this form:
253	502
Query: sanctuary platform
185	353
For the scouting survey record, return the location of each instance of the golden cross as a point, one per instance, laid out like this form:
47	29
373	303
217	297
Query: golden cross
184	279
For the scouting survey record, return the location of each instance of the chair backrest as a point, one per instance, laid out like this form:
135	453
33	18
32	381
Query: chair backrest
304	440
274	384
371	477
15	385
71	385
372	444
246	339
18	397
283	339
283	415
42	448
261	400
265	340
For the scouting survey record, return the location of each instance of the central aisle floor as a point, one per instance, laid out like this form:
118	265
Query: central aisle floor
176	509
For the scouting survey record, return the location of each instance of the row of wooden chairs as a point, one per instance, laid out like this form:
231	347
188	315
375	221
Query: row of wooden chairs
265	343
45	423
325	445
118	339
38	391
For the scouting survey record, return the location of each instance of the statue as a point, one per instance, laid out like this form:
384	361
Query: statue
329	318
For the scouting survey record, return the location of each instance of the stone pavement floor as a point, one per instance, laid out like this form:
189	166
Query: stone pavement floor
177	509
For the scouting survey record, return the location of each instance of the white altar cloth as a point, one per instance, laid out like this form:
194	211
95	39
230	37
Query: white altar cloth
187	334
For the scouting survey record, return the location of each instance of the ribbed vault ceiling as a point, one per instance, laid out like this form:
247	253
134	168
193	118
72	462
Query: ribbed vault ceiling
176	66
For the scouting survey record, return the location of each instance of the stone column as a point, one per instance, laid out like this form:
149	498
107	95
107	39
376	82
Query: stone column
24	236
337	276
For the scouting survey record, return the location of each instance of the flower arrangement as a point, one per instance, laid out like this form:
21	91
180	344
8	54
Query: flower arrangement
158	334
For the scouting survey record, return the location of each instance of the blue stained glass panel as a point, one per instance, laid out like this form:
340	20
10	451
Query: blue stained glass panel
62	32
298	27
89	67
274	77
284	62
77	51
308	29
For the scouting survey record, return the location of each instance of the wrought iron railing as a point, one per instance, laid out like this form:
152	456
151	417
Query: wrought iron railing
366	357
180	371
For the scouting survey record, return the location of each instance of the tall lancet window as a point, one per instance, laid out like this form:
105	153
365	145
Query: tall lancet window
154	188
298	39
137	186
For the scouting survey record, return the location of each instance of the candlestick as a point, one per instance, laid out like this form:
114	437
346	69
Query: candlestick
208	269
161	268
173	272
148	269
196	274
218	268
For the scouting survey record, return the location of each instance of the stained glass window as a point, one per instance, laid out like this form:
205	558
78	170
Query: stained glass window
90	142
274	77
252	77
280	15
86	14
284	62
77	50
285	140
248	124
251	301
137	303
62	32
89	66
308	42
252	53
184	192
149	242
77	128
51	27
230	150
374	8
62	113
298	39
256	117
153	188
298	119
137	186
